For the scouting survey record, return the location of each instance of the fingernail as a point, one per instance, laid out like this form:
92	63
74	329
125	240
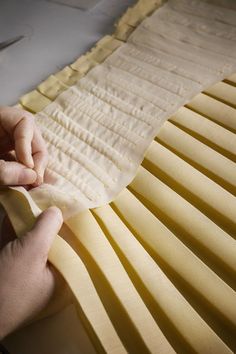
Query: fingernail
27	176
54	209
30	162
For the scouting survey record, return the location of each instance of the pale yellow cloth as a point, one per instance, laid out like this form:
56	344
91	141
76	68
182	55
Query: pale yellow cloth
98	130
154	270
165	247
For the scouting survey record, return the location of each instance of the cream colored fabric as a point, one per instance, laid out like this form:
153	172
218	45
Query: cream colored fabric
153	271
99	129
156	268
176	251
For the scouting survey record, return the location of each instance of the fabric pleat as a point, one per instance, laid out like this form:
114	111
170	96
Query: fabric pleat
154	270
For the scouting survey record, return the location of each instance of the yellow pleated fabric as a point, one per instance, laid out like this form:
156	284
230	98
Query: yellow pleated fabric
154	271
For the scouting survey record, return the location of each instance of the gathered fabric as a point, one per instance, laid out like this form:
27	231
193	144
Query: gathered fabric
98	130
147	185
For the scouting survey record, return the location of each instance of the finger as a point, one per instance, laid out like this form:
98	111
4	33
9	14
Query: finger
41	237
23	136
14	173
40	156
18	125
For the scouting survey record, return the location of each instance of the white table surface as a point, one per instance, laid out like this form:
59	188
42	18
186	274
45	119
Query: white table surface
55	36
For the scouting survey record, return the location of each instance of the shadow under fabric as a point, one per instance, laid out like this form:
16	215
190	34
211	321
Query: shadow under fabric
153	271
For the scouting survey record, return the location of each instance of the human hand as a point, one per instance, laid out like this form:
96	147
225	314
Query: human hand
27	281
19	132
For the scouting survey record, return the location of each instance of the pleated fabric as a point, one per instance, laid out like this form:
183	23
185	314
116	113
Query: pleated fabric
154	270
97	130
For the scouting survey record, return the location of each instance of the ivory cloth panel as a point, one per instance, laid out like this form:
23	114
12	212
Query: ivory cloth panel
154	270
99	129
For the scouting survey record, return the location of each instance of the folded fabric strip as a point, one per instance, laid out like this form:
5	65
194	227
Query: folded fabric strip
156	252
99	129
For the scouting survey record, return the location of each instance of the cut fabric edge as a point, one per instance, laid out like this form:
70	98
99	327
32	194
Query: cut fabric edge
47	91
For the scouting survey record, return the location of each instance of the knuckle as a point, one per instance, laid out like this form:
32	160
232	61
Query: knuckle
24	125
28	114
29	121
28	118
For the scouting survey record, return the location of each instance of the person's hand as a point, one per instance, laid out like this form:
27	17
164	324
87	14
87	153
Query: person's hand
27	281
19	132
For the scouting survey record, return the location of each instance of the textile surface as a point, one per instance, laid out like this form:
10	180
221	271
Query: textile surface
154	270
99	129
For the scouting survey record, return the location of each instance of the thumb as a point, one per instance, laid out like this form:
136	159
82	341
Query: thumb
41	237
14	173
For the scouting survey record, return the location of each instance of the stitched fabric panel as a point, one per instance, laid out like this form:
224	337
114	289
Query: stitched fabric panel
99	129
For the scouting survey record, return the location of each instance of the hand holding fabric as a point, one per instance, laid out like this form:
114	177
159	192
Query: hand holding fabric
19	132
27	281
